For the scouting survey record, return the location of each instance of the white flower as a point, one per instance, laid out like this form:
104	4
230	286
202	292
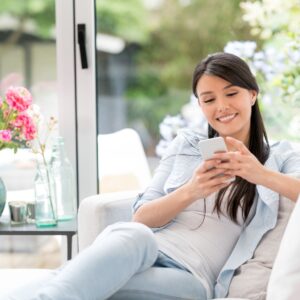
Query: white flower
191	117
161	148
266	99
294	127
294	55
259	56
170	126
244	49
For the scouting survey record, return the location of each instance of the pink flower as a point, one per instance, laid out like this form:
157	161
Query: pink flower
30	132
26	126
18	98
5	135
21	120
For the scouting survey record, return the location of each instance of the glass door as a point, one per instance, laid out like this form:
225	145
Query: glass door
145	53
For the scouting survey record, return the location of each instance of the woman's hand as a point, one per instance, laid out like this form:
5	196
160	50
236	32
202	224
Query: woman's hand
241	162
207	179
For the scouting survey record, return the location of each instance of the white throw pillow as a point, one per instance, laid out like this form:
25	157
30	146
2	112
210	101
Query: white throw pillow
284	282
251	279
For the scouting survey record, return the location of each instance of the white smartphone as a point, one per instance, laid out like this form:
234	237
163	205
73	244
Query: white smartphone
211	146
208	147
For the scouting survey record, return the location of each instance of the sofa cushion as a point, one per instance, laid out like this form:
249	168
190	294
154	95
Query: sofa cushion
251	279
285	277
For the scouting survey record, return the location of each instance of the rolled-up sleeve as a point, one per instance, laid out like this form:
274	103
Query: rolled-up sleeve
156	188
291	162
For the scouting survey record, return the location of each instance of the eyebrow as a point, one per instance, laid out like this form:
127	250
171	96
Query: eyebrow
209	92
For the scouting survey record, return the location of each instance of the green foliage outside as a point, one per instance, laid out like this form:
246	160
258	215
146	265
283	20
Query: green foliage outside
180	36
127	19
36	13
276	23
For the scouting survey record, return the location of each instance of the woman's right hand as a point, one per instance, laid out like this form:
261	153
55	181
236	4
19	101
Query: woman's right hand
205	180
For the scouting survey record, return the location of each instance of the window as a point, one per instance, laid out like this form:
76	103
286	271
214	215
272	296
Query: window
37	51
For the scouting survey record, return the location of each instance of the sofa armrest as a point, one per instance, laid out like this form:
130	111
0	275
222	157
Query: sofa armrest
98	211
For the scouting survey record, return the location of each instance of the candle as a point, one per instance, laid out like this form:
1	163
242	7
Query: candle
17	212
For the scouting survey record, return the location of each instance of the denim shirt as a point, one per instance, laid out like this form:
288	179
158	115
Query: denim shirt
177	167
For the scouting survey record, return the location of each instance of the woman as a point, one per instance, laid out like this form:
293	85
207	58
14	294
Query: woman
204	225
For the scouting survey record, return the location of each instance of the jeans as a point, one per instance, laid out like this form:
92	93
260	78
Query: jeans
122	263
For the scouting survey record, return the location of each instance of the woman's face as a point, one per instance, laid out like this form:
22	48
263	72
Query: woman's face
226	107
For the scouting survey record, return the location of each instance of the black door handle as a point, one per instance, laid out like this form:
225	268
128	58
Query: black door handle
81	42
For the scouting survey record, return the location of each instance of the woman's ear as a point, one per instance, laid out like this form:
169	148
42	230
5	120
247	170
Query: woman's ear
253	97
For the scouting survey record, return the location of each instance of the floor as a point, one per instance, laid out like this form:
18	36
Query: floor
47	254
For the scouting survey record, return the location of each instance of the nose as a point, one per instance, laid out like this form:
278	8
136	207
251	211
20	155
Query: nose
222	105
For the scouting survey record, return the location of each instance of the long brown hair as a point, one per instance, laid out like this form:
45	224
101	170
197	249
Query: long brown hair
234	70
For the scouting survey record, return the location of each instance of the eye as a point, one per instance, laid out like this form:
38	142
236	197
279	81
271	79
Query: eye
208	100
232	94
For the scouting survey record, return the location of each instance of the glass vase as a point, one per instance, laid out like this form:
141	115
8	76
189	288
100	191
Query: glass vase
2	196
63	175
45	198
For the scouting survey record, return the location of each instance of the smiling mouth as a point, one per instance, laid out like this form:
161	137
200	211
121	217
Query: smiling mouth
226	119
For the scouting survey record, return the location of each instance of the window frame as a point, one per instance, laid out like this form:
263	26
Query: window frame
76	89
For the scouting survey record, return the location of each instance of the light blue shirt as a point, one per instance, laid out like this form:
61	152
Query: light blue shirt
177	167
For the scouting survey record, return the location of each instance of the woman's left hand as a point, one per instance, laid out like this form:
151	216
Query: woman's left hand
241	162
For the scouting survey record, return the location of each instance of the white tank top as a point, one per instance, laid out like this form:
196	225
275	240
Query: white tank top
204	249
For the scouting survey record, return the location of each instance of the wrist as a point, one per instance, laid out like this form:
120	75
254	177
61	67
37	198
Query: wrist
186	194
265	177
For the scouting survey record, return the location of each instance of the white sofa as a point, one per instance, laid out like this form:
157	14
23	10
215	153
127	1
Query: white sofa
96	212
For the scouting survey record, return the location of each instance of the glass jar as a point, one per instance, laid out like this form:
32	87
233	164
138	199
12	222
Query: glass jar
64	180
2	196
45	197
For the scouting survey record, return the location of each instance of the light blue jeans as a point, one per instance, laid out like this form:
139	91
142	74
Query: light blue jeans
122	263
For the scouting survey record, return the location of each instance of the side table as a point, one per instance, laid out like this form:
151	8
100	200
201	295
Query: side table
67	228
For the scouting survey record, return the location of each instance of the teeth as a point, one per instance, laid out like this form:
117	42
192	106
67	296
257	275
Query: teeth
227	118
